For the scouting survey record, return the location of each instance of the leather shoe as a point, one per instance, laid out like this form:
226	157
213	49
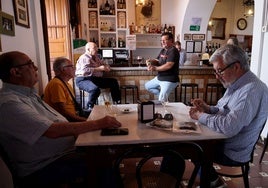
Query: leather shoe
218	183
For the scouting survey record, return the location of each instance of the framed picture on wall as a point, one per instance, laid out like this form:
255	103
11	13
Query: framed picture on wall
187	36
7	24
21	12
198	36
218	28
197	46
189	46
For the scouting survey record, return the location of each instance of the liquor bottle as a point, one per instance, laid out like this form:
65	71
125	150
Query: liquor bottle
124	4
89	3
165	29
107	7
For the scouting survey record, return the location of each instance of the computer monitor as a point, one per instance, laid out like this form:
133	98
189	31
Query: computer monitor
107	54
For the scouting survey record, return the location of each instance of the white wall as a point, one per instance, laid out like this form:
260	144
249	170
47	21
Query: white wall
28	40
259	60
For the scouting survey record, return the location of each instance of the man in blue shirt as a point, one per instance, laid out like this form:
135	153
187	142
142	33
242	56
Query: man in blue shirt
240	113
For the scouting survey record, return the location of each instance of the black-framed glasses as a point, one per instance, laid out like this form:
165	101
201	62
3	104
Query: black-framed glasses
167	116
72	66
30	62
220	71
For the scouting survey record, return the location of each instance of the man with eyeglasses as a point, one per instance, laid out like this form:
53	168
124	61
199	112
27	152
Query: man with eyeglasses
240	114
38	140
167	66
59	93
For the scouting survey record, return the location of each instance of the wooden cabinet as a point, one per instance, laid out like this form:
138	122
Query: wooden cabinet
105	22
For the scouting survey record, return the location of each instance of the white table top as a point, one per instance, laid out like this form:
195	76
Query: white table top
140	133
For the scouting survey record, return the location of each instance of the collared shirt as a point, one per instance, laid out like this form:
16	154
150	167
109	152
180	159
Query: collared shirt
24	118
85	66
240	115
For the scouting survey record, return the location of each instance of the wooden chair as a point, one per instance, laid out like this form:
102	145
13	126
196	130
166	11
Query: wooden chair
150	175
244	167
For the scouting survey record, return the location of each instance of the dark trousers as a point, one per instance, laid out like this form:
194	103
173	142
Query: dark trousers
222	159
71	169
92	85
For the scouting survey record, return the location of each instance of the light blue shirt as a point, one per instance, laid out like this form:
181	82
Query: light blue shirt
23	121
240	115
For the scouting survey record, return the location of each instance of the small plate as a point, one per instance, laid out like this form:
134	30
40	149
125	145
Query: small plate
126	110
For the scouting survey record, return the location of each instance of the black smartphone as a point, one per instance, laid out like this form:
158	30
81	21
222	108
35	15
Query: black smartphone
114	131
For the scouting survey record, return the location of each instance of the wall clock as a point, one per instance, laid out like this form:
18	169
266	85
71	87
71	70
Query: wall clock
242	23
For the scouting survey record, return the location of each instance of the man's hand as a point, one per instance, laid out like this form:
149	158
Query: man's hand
105	68
200	105
109	122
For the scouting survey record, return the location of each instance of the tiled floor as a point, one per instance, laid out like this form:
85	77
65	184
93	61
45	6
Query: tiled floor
258	176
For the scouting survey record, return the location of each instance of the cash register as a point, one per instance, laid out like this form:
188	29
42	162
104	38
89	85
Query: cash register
108	56
121	57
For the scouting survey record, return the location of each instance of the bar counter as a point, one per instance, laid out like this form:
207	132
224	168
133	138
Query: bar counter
139	76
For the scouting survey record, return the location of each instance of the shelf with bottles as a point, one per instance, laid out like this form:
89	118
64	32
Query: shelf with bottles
92	4
108	40
93	19
121	38
107	24
107	7
121	4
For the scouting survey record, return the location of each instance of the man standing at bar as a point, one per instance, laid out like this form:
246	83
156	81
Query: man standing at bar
89	76
167	65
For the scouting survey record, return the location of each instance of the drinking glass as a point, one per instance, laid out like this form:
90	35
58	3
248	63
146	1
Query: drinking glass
108	102
139	59
164	101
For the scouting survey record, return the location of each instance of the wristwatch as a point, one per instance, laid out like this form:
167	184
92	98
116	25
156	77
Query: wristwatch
241	23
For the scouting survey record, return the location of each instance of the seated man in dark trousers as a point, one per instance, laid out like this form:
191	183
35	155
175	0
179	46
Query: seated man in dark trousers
89	72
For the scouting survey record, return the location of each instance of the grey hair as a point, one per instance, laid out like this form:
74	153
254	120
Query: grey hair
58	63
229	54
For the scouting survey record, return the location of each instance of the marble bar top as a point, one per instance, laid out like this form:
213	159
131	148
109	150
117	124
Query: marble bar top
186	67
142	71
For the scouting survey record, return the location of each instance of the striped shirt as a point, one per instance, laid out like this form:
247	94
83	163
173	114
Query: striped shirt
240	115
85	66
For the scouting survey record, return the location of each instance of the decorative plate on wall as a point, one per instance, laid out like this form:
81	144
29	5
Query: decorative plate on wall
241	24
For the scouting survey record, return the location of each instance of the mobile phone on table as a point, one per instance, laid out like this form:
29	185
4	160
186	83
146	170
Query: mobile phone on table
114	131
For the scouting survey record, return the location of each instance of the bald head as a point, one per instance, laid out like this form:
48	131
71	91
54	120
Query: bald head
91	48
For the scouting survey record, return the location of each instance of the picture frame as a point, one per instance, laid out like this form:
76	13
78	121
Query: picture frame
198	46
218	28
198	36
21	13
187	36
7	26
189	47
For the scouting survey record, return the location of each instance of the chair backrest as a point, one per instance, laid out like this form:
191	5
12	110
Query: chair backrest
143	170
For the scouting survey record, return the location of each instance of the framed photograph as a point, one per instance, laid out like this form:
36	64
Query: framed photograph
7	24
218	28
187	36
189	46
198	36
21	12
198	46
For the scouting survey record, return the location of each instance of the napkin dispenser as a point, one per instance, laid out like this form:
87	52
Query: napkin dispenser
146	111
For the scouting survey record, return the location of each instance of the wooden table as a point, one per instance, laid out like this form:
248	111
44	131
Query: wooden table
141	134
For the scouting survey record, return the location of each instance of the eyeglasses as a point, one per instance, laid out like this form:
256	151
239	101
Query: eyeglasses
167	117
219	72
30	62
72	66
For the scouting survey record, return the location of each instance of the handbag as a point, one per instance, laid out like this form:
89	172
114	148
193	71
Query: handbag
79	111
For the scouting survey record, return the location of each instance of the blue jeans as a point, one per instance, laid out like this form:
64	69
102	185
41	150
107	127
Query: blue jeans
160	88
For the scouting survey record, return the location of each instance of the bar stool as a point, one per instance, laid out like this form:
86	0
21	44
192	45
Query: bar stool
132	88
82	98
193	86
176	93
209	92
